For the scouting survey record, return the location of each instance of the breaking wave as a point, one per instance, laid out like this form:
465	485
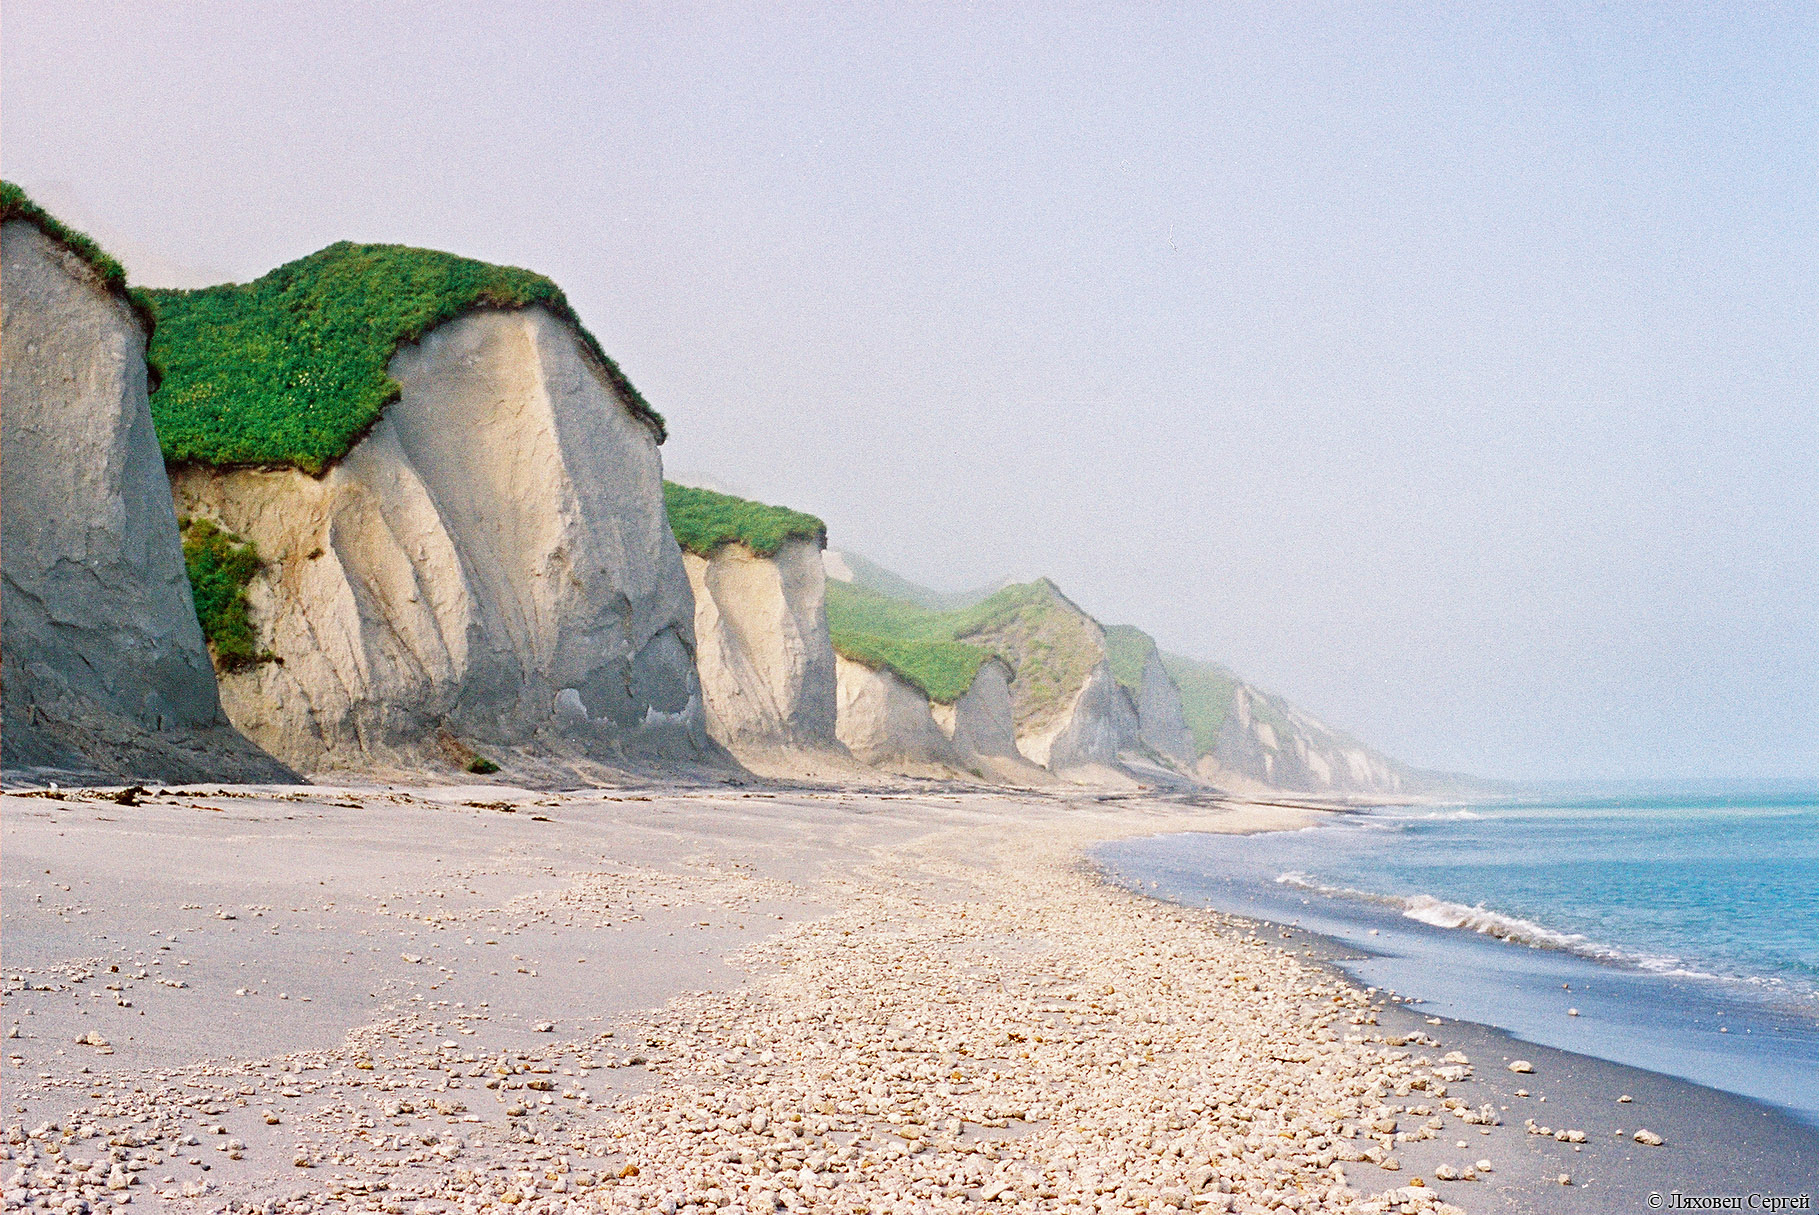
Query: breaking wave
1479	919
1440	913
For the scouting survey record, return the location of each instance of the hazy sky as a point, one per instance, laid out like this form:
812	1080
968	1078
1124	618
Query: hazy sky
1450	370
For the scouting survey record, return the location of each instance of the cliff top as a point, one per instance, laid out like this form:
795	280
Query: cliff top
16	204
1206	697
291	368
704	520
1045	637
904	637
1050	644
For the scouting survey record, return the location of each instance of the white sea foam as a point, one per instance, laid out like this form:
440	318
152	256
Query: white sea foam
1477	918
1458	917
1480	919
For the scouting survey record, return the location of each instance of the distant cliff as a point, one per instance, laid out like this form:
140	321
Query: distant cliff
1066	712
1089	697
1242	732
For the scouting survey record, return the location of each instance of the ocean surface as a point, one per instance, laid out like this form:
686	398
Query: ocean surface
1671	930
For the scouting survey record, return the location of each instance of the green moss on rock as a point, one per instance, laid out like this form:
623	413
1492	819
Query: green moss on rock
704	521
221	566
290	370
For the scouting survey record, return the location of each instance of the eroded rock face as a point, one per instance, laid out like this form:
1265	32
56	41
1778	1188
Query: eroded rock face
1098	723
982	721
493	559
763	653
884	719
105	667
1295	751
1160	720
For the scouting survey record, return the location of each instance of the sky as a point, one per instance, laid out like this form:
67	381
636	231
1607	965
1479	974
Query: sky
1450	370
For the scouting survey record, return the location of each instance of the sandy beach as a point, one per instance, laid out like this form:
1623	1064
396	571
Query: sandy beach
451	999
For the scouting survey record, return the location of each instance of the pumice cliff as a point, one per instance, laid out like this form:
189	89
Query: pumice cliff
106	673
763	653
462	539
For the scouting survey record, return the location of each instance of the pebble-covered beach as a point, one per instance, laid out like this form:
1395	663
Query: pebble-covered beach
437	1001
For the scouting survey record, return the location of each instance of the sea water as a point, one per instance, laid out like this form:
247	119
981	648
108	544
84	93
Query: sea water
1672	930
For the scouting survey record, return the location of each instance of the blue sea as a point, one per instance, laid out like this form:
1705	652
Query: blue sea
1671	930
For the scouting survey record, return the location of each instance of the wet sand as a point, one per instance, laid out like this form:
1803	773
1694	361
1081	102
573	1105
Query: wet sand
464	999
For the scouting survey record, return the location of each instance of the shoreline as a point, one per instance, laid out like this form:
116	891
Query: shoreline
458	999
1520	971
1714	1141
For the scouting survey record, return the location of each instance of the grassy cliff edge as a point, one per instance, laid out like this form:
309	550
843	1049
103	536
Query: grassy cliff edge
704	520
290	370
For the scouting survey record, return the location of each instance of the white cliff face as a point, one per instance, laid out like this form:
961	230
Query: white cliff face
1304	755
105	666
765	660
493	559
1097	724
982	721
884	719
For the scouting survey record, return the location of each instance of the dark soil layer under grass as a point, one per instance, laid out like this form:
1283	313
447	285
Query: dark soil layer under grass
290	369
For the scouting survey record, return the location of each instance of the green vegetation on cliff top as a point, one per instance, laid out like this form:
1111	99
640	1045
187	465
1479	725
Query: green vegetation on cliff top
944	670
704	520
290	369
221	566
895	635
16	204
1048	643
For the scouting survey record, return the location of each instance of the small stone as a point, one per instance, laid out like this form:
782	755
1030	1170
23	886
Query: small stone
1625	1099
1521	1067
1566	1179
1483	1166
1647	1137
544	1027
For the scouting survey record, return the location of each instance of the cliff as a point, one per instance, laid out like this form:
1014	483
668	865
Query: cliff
981	722
1066	710
480	562
763	652
886	720
1139	669
105	669
1244	734
1098	702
